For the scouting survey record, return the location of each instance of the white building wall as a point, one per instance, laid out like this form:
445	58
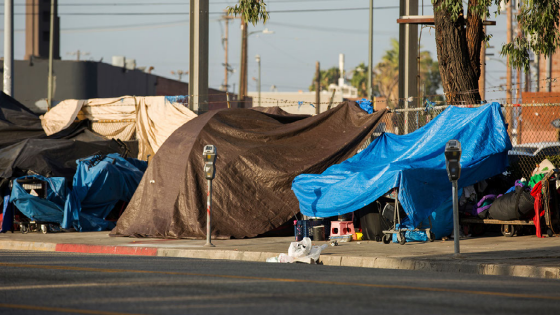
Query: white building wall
295	102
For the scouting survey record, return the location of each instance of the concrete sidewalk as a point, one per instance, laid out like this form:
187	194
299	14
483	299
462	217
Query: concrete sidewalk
523	256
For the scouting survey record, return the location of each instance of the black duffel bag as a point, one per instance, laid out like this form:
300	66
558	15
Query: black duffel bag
516	205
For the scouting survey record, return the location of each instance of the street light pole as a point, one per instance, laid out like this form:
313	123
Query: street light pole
51	45
258	58
243	69
198	59
370	54
9	47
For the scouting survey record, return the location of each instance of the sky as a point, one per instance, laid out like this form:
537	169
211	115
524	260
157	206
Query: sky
156	33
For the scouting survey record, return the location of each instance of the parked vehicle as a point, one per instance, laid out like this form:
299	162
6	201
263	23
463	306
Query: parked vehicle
536	149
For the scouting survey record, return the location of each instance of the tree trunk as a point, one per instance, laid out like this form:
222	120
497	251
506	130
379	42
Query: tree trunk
475	34
458	65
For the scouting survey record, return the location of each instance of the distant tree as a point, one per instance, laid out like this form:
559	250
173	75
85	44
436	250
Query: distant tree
386	74
359	79
430	78
327	77
251	11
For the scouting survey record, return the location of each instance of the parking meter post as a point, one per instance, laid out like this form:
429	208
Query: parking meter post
209	216
452	155
209	155
456	219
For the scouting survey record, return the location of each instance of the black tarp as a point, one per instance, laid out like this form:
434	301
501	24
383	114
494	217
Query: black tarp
259	154
18	123
50	157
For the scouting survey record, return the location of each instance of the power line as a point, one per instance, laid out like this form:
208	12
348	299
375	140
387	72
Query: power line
187	13
158	3
326	29
186	21
327	10
119	27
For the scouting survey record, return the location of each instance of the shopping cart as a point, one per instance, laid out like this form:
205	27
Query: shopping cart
397	227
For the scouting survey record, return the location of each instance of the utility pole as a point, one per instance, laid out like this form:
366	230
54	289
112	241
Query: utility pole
9	47
258	59
408	50
549	73
198	61
370	53
508	71
509	111
51	45
78	54
519	35
519	89
179	73
243	68
527	87
538	72
226	42
317	88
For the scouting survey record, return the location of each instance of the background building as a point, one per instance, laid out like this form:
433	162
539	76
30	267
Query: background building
77	79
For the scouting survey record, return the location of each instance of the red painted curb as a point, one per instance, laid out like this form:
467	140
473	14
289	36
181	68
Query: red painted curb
106	249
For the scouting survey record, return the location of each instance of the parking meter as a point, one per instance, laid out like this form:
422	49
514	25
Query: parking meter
209	155
453	159
453	165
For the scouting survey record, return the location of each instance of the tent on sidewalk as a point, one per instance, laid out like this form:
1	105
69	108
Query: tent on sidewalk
100	183
53	157
259	154
18	123
414	163
150	119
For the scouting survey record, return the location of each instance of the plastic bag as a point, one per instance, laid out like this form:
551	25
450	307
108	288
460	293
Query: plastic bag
300	252
283	258
272	260
300	249
316	251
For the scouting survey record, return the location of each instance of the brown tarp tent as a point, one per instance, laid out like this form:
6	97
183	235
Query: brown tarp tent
259	154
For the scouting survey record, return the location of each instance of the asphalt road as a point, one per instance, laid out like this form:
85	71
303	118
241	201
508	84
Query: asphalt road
61	283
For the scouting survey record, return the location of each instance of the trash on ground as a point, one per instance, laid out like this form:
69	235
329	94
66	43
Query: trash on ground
302	252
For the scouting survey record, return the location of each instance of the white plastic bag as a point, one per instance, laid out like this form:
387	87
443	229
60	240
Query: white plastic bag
283	258
316	251
300	249
272	260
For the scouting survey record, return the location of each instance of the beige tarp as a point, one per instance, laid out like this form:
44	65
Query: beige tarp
149	119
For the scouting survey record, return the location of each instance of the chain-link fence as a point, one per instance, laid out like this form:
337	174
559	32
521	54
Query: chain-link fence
533	130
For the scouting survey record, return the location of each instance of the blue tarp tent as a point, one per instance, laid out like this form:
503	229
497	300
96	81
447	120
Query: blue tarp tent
50	209
414	163
99	184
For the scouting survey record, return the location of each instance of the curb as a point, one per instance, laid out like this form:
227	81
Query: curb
464	267
103	249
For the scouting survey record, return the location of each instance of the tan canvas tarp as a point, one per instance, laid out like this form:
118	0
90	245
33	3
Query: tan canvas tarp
150	120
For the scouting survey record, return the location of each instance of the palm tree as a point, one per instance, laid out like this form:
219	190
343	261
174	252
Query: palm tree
386	74
327	77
